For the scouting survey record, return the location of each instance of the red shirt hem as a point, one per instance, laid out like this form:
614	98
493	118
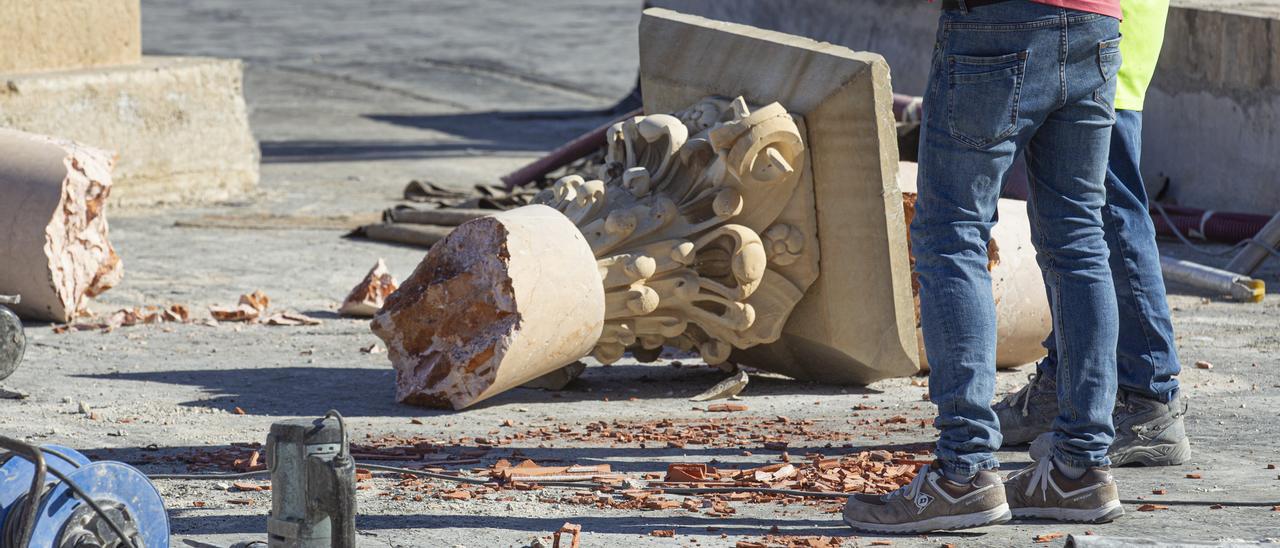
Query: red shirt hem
1110	8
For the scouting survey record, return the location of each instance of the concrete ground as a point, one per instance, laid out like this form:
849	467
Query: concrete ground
351	100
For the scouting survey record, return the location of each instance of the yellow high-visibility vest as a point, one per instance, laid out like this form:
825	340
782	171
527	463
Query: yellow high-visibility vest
1143	31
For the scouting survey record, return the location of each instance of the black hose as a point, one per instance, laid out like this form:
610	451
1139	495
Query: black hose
32	510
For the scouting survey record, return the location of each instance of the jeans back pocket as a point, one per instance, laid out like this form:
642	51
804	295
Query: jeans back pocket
1109	64
983	97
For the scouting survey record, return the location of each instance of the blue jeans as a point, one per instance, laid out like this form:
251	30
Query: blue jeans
1145	354
1011	77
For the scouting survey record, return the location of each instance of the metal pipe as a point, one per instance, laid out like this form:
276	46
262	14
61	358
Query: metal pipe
573	150
1239	287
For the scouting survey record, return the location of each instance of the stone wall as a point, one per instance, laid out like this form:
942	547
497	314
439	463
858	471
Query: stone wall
68	34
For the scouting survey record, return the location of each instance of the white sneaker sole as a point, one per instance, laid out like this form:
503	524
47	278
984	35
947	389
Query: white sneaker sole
997	515
1102	514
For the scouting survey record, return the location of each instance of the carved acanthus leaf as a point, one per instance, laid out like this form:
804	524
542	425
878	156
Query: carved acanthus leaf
684	222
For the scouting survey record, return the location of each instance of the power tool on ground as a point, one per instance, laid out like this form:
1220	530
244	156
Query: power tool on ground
313	484
53	497
13	343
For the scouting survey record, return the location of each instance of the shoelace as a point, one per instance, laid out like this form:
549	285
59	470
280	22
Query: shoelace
912	490
1040	477
1024	394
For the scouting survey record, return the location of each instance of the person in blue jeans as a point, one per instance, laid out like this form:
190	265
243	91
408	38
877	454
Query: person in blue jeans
1010	76
1149	412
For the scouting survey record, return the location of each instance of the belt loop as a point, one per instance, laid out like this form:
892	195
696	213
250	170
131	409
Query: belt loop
964	7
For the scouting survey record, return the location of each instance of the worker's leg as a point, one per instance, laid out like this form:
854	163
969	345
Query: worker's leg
1146	355
1149	414
1067	158
1068	164
986	95
996	76
1149	424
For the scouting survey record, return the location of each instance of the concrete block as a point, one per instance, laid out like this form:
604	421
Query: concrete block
179	125
37	35
856	323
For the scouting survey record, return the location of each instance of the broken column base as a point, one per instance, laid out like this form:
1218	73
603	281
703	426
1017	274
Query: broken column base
179	125
501	301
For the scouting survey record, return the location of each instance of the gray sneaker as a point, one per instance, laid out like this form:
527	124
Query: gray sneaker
1040	491
1149	432
931	503
1028	412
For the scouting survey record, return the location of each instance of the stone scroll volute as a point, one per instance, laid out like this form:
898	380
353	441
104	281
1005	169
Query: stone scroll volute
703	226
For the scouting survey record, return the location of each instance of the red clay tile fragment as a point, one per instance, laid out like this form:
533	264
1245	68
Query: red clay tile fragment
726	408
1048	537
571	528
1152	507
686	473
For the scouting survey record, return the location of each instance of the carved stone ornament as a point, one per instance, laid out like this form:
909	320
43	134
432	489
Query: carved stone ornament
700	233
684	223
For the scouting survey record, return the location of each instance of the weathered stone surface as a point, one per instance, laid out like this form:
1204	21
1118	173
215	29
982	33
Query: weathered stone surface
39	35
702	223
368	296
856	323
54	246
501	301
179	125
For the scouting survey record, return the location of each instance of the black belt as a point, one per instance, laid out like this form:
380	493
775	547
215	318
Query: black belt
955	4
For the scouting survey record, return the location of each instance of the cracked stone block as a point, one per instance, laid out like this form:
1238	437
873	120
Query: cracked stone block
53	225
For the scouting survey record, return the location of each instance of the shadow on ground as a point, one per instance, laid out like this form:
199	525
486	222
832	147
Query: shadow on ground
370	391
476	132
192	522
